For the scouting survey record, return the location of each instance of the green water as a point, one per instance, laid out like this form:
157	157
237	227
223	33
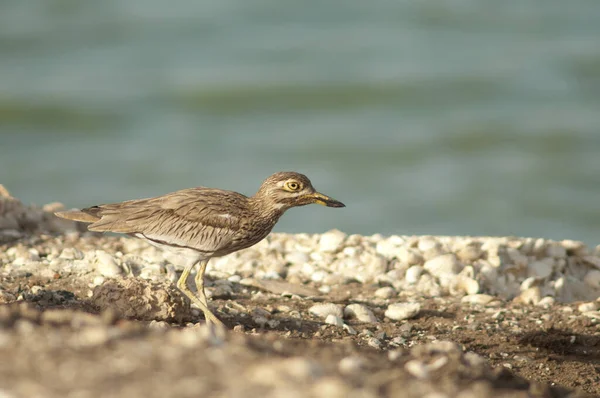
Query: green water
461	117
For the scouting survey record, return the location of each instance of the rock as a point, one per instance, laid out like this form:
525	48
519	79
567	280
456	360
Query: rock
546	301
541	269
402	311
334	320
587	307
413	274
594	261
409	256
360	312
463	285
556	250
529	296
325	309
351	365
479	299
469	252
385	292
446	264
428	243
141	299
592	279
106	264
331	241
417	369
373	342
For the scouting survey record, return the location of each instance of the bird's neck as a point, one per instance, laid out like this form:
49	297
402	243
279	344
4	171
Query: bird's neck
265	207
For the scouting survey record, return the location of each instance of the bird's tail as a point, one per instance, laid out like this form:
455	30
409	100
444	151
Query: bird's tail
77	215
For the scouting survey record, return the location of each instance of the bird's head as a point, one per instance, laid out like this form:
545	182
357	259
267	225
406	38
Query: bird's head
288	189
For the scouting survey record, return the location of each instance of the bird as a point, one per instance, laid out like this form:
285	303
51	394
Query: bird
197	224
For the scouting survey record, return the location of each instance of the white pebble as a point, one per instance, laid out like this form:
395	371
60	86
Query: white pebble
446	264
351	365
464	285
592	278
593	260
351	331
334	320
541	269
417	368
480	299
107	265
556	250
546	301
530	296
325	309
413	274
360	312
409	256
427	243
401	311
373	342
591	306
331	241
385	292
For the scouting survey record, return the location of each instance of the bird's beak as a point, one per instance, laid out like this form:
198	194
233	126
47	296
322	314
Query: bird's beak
325	200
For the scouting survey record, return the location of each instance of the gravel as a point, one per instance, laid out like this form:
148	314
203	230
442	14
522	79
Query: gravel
96	315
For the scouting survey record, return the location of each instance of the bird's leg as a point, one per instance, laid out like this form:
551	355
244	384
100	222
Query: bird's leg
200	282
201	303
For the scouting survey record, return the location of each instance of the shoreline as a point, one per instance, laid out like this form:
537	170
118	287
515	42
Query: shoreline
311	315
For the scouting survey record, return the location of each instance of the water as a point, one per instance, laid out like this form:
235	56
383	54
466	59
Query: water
461	117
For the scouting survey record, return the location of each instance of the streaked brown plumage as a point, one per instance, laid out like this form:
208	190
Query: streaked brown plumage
199	223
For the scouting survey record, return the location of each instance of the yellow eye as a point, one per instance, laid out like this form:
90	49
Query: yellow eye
292	186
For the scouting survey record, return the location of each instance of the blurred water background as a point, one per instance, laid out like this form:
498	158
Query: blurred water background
424	117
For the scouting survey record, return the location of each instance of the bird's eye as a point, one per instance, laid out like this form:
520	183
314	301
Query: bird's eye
292	185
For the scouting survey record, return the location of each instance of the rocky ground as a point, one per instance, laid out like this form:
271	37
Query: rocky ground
331	315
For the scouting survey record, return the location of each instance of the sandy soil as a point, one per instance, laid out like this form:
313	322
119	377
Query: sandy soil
57	341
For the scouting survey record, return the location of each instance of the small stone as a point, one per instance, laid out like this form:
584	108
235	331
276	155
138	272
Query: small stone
591	306
530	296
464	285
556	250
331	241
427	243
519	259
541	269
443	265
413	274
351	365
529	282
594	261
546	301
469	253
325	309
360	312
107	265
334	320
401	311
480	299
385	292
409	256
592	278
351	331
417	369
373	342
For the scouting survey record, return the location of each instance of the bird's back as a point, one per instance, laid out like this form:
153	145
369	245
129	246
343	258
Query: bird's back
208	220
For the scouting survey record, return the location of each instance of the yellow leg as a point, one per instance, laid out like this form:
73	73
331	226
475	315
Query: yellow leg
200	282
201	300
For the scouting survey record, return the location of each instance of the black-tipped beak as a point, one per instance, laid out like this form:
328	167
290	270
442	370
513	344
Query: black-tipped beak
326	200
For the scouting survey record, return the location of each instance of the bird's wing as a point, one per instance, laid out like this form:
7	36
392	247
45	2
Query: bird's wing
199	218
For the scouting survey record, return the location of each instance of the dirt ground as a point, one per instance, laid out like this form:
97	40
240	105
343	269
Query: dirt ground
532	351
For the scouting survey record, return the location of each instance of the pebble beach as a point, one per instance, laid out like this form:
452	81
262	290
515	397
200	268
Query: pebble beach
311	315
